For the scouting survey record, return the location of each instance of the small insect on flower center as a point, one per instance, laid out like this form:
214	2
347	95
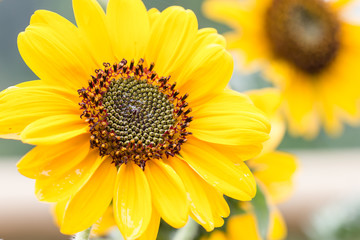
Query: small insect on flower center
304	32
133	114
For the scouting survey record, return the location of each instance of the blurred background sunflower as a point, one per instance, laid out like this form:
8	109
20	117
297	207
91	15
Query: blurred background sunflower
307	49
327	183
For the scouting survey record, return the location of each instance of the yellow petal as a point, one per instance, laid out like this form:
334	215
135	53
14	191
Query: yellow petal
203	76
243	227
39	85
232	12
104	224
267	100
275	166
302	117
217	235
14	136
130	28
339	4
275	170
58	211
207	36
219	206
57	188
91	21
230	119
200	204
277	230
153	15
50	47
54	129
169	49
168	193
218	170
54	160
239	153
278	128
132	201
90	202
22	105
153	228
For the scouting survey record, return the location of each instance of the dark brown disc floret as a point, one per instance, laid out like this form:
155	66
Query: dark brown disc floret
133	114
304	32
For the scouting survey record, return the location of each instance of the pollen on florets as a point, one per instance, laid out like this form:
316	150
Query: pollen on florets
134	114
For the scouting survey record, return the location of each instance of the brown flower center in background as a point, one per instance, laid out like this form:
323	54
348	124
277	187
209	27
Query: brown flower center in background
304	32
133	114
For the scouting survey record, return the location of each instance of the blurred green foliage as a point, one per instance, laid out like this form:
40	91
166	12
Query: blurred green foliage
15	16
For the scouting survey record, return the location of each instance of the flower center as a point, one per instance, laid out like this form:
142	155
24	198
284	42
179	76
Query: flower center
133	114
304	32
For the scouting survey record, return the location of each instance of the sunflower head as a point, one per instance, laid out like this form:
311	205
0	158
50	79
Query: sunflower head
133	114
304	32
148	145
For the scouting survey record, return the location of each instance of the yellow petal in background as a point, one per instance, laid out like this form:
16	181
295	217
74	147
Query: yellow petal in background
232	12
216	235
243	227
277	230
218	170
168	193
132	201
91	201
267	100
275	171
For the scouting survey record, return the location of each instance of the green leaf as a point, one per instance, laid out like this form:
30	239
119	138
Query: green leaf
262	212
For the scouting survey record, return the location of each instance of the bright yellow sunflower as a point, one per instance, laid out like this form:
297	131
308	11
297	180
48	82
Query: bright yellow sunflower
131	110
307	49
273	170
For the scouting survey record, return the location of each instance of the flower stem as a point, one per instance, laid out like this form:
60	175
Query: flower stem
188	232
84	235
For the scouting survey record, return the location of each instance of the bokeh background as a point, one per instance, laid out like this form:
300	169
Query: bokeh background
327	184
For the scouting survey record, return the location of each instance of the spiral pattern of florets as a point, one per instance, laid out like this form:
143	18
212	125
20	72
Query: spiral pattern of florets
133	114
304	32
137	110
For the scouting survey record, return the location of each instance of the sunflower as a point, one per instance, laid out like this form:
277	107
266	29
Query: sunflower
131	111
307	49
273	171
